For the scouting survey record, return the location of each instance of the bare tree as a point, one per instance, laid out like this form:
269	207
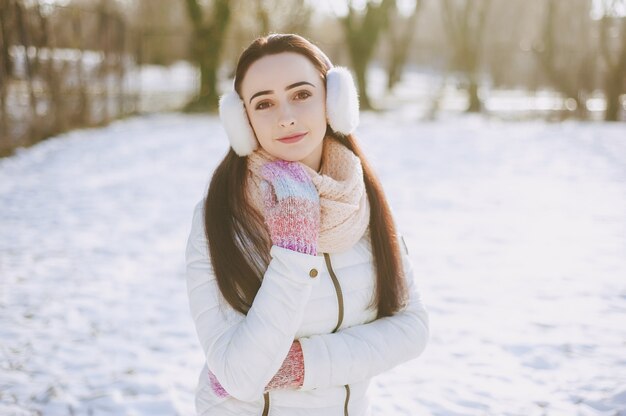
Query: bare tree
56	104
401	34
6	68
464	22
164	28
82	114
207	41
613	50
288	16
4	37
29	65
565	53
62	91
511	25
362	31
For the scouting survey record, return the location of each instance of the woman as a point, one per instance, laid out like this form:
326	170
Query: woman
299	286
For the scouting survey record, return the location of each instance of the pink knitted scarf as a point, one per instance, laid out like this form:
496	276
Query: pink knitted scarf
345	210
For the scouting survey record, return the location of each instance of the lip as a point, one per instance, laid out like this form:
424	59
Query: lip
293	138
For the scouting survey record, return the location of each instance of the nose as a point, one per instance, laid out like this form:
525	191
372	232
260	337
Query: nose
286	117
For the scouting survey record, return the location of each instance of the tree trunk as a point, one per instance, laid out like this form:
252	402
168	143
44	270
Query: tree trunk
4	34
474	100
361	34
207	42
56	119
82	109
360	70
615	80
612	90
208	97
5	69
571	79
401	36
465	23
21	26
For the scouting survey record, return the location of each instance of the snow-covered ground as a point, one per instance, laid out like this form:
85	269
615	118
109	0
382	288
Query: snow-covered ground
517	232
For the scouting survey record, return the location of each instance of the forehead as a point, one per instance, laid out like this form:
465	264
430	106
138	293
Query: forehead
275	72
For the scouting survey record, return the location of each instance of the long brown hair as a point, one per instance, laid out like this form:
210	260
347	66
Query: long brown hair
238	250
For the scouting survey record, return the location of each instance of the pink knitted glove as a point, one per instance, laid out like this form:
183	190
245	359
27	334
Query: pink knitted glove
289	375
292	206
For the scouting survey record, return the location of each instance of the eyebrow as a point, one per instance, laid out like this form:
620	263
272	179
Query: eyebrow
297	84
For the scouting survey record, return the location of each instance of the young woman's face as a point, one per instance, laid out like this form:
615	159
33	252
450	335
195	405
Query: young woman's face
285	96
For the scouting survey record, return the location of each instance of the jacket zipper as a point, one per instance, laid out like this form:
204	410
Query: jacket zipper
337	289
329	266
333	276
266	407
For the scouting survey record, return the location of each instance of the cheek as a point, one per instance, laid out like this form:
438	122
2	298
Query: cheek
314	110
259	122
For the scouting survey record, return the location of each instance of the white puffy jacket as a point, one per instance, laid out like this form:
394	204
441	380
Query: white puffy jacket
342	343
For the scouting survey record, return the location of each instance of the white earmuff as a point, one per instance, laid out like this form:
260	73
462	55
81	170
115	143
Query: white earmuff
235	120
342	101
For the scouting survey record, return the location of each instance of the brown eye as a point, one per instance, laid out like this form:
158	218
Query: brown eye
303	95
259	105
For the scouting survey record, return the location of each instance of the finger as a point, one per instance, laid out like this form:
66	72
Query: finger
289	179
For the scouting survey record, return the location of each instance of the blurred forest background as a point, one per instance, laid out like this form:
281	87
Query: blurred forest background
80	63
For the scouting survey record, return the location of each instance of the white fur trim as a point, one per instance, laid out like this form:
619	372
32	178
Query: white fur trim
342	101
235	121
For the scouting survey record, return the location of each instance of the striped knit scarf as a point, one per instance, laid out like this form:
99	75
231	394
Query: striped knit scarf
345	210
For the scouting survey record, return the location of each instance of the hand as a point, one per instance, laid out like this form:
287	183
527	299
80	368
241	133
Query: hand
216	386
289	375
292	206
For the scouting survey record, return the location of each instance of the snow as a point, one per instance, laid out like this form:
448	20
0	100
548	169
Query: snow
517	232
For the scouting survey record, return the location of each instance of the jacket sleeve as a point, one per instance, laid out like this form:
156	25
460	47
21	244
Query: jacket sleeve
245	351
362	351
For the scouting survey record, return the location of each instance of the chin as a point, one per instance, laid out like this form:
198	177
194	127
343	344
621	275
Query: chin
292	157
294	154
